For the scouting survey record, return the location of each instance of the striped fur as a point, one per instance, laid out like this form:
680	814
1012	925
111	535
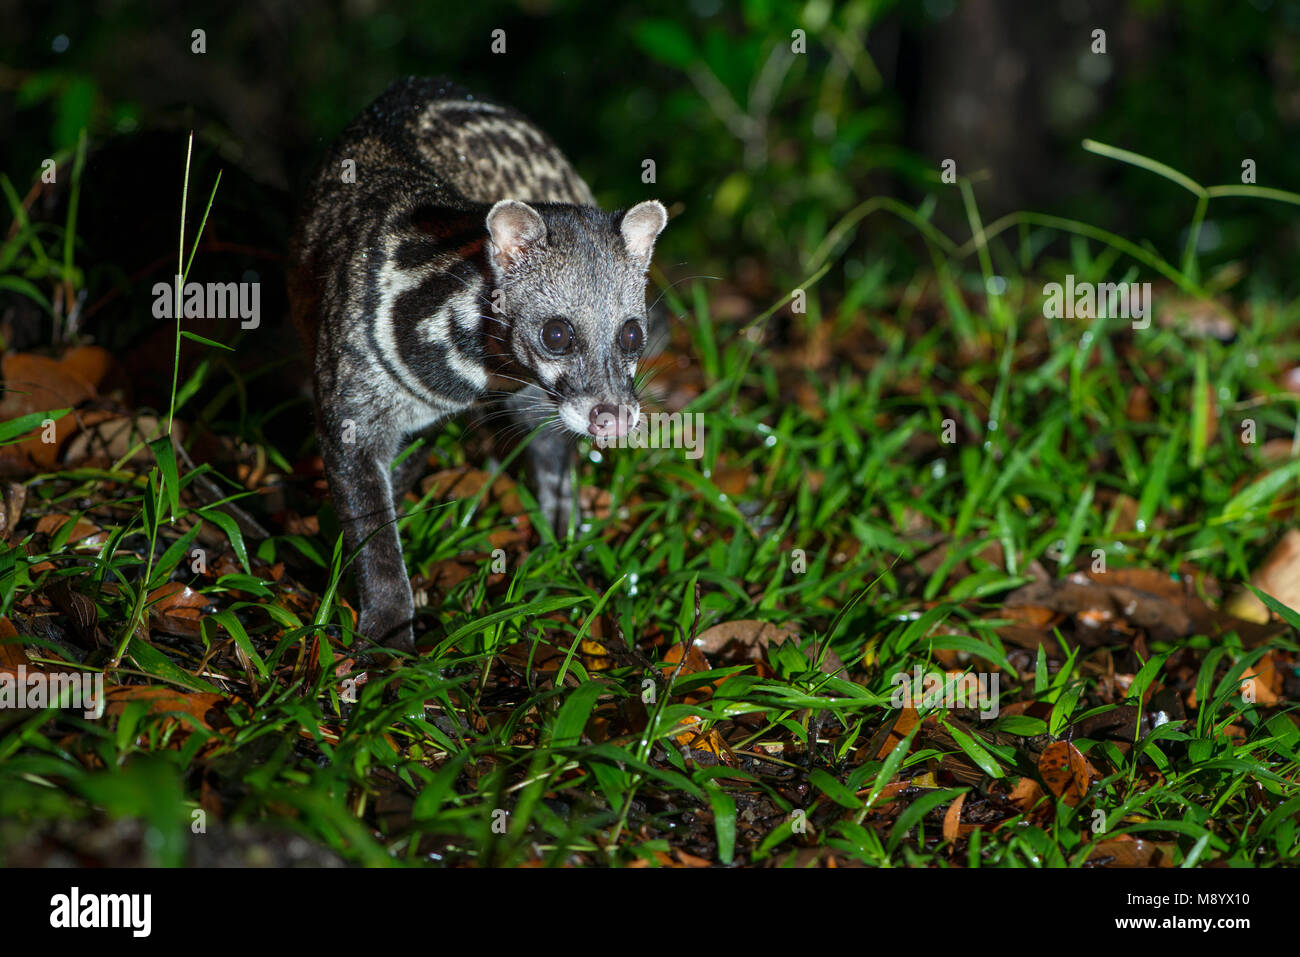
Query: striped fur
412	307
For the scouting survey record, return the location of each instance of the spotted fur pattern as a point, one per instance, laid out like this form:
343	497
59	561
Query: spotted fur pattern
412	307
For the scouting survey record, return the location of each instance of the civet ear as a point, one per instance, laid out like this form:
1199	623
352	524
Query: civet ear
641	226
514	228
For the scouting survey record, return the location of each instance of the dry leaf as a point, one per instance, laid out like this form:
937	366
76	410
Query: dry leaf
908	718
1066	772
691	860
1025	794
162	700
83	533
1128	851
12	652
15	497
465	483
952	819
35	383
177	609
1278	575
746	640
710	742
1261	682
108	438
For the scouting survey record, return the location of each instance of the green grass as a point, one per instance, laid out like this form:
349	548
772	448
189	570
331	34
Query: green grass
826	502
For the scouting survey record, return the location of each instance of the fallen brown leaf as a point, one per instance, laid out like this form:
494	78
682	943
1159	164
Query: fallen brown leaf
952	819
1066	772
15	497
12	652
1261	682
35	383
1025	794
163	700
746	640
1278	575
83	533
1128	851
464	483
177	609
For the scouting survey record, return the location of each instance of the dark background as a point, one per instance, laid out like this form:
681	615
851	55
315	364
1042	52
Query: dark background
758	151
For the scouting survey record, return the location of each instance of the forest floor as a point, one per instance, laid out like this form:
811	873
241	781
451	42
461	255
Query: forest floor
723	662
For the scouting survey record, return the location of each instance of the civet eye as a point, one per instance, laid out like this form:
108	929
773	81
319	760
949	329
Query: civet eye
629	337
557	336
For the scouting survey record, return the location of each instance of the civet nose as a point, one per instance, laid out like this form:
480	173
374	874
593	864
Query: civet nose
605	420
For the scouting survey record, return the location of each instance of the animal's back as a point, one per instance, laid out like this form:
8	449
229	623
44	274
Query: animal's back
423	142
483	151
